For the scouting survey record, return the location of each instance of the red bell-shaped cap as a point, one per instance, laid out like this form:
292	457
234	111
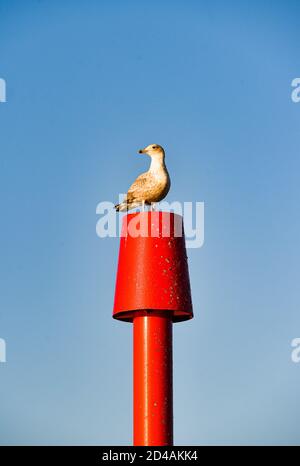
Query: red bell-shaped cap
153	270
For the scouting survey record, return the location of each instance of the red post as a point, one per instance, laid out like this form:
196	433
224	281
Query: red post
152	380
153	292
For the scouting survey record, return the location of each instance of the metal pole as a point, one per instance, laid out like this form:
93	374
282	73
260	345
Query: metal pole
152	291
153	379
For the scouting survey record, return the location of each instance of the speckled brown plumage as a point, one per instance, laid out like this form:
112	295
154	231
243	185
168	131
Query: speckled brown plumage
151	186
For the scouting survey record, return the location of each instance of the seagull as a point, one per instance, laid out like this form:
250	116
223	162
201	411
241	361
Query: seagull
150	187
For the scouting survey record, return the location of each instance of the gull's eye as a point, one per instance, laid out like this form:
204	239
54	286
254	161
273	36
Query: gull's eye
153	147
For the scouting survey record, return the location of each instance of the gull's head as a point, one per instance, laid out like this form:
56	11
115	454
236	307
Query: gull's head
154	150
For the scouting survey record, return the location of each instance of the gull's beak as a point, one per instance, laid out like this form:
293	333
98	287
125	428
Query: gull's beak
142	151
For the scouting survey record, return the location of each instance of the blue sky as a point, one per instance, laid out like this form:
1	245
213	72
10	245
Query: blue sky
89	83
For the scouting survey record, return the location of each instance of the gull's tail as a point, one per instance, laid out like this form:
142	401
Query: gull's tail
127	205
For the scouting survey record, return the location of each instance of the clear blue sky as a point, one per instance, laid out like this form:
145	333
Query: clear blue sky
89	83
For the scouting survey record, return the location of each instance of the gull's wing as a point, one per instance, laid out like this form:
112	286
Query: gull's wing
140	187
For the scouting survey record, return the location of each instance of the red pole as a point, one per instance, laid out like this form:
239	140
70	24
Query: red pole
153	292
152	379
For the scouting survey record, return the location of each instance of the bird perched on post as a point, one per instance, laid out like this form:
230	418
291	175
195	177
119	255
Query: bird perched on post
151	186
